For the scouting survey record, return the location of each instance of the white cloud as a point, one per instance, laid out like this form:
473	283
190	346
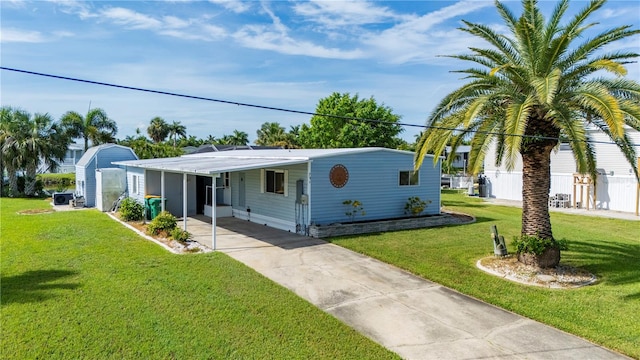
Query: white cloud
419	40
335	14
175	22
237	6
80	8
276	38
130	18
17	35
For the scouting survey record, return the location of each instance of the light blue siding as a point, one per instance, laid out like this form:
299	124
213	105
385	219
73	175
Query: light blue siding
138	175
99	157
276	206
373	180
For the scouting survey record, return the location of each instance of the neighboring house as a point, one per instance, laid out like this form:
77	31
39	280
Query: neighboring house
461	157
287	189
94	159
68	164
616	186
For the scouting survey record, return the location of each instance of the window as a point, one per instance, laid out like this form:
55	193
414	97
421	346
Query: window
274	181
408	178
134	184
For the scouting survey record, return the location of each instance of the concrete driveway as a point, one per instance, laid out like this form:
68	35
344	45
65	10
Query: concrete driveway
413	317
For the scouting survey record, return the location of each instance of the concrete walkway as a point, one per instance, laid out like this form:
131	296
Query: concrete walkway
413	317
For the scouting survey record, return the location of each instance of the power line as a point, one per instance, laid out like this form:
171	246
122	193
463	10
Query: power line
263	107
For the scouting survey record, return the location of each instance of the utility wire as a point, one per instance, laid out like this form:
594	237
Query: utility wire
263	107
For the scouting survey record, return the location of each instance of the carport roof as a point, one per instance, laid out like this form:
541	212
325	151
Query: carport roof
239	160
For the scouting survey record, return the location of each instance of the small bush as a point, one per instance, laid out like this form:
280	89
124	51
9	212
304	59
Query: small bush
180	235
163	222
415	206
529	244
354	208
131	210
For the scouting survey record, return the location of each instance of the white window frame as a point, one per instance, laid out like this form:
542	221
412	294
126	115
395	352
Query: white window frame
412	173
263	181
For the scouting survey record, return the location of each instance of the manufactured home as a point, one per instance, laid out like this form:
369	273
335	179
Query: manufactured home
287	189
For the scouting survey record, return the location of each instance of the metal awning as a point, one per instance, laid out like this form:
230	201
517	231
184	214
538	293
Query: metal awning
208	165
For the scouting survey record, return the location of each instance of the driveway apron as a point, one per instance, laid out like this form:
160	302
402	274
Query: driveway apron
415	318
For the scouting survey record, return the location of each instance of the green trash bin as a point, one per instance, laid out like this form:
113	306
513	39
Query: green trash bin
155	206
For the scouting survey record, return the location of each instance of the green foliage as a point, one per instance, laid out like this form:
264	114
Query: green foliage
528	244
55	179
146	149
335	132
180	235
415	206
164	222
95	126
131	210
354	208
158	129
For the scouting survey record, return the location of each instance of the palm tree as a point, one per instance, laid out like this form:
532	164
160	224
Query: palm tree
45	141
270	133
237	138
13	127
531	88
95	126
158	129
176	129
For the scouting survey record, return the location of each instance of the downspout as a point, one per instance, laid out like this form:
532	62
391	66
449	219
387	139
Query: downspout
184	200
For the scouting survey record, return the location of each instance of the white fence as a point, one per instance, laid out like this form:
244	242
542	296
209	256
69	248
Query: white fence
616	193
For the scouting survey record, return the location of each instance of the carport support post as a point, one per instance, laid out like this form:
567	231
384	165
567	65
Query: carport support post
162	201
184	200
213	213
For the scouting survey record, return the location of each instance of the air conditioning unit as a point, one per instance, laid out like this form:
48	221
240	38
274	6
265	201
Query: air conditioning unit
62	198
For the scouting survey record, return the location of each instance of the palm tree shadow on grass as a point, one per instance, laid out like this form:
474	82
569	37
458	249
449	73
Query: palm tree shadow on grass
33	286
617	262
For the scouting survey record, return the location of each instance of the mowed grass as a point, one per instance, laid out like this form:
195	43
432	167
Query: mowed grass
78	285
607	313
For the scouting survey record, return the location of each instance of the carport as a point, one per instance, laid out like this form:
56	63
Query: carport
204	166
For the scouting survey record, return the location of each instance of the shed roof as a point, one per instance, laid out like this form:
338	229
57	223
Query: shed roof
239	160
92	151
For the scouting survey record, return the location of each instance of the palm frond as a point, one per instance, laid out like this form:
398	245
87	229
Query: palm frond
547	87
595	98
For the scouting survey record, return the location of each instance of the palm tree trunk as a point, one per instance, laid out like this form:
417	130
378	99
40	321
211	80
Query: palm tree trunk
536	183
13	180
30	180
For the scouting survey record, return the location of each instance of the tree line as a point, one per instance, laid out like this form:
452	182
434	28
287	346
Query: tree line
30	141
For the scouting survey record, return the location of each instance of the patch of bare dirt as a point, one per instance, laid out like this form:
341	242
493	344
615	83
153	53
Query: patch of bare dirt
35	211
562	276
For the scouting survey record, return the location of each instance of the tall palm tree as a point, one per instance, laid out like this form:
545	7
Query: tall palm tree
13	128
95	126
176	129
530	88
158	129
47	142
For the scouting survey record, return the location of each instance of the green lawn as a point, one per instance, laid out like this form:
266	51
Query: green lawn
79	285
607	313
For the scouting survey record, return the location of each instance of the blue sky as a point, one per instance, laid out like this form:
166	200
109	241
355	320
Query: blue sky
283	54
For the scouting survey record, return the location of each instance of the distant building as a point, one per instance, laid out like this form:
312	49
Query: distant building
616	187
68	164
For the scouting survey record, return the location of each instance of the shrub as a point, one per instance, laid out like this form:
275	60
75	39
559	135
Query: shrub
536	245
415	206
180	235
131	210
163	222
354	207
